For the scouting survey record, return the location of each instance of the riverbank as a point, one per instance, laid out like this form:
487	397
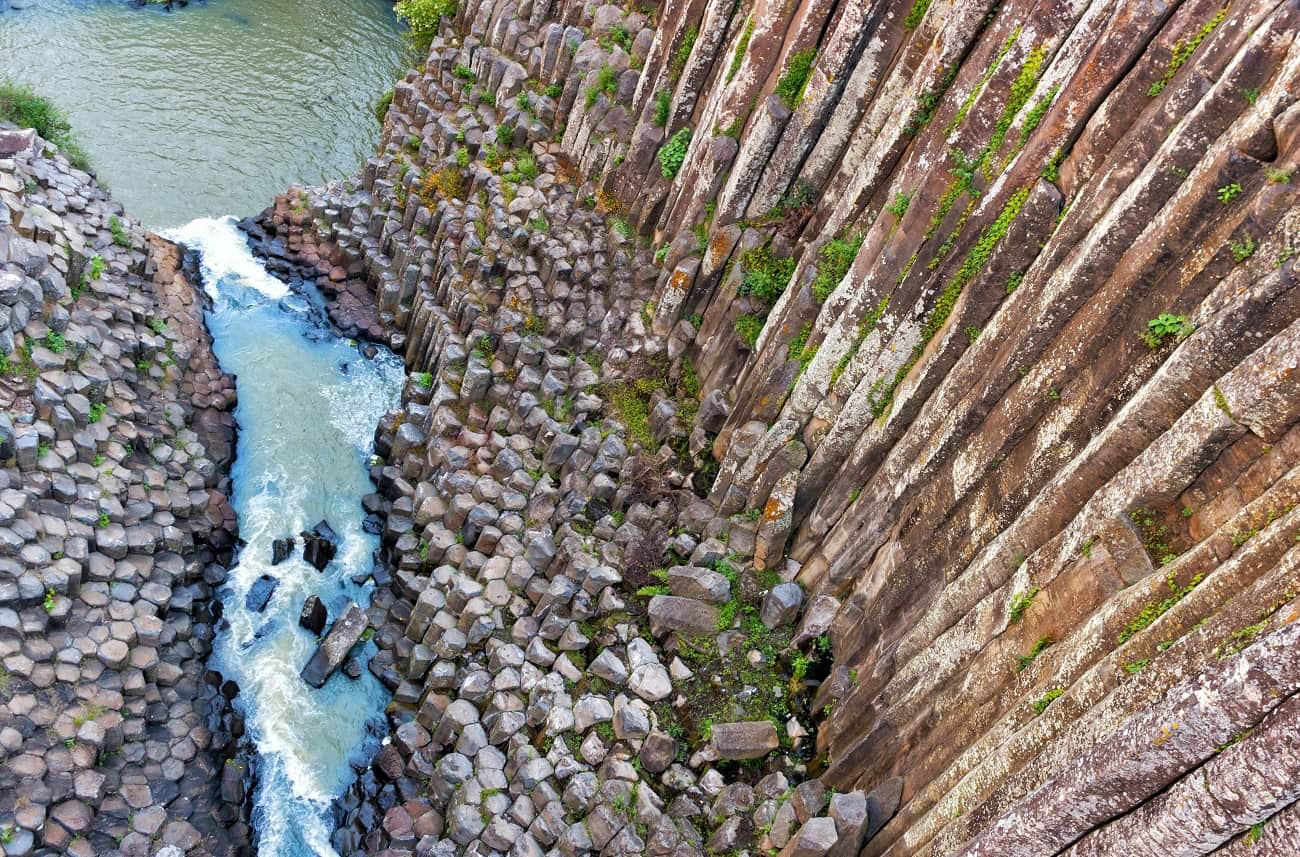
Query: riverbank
116	441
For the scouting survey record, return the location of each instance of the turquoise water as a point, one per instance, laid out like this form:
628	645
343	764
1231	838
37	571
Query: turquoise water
308	405
215	108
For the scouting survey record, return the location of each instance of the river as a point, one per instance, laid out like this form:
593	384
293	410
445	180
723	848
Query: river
215	108
190	117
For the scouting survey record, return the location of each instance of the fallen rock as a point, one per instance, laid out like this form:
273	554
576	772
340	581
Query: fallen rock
320	544
313	615
259	594
814	839
281	549
781	604
699	583
333	650
673	613
745	740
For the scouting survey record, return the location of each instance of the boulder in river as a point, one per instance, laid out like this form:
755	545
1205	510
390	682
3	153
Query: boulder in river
259	594
333	650
313	615
320	543
281	549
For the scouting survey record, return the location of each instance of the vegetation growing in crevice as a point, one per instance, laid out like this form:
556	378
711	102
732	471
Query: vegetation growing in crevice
1040	705
663	107
837	257
1163	327
606	84
1040	646
1183	51
916	14
683	53
1153	610
868	324
882	391
1020	602
673	153
742	45
798	70
422	19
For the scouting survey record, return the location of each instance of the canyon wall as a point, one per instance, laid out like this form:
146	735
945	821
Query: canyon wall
115	437
979	321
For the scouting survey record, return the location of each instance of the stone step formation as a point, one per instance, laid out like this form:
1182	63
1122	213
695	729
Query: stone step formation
116	436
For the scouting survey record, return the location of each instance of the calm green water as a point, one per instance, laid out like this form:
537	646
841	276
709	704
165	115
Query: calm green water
215	108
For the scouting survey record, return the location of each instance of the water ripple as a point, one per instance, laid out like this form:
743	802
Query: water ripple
214	109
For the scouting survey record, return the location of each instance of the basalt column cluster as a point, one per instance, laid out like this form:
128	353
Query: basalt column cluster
918	380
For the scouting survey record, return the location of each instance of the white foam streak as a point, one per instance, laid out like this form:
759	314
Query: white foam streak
226	258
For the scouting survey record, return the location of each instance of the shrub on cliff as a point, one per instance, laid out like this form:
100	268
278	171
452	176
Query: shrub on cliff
422	18
21	106
673	153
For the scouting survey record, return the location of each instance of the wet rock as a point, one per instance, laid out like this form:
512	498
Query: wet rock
334	649
259	594
313	614
281	549
320	544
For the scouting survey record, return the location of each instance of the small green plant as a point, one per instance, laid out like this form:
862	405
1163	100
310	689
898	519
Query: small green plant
1251	95
795	79
1277	176
837	256
103	521
1229	192
463	72
554	90
1020	602
651	591
381	106
1242	248
422	19
683	53
620	226
1163	327
97	411
1183	51
6	835
742	45
1153	610
606	84
673	153
916	13
48	603
157	325
55	342
1040	704
121	237
899	206
663	107
424	379
1040	646
1135	667
97	266
748	328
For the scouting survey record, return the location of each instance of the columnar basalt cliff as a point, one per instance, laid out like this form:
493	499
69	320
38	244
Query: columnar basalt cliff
977	321
114	736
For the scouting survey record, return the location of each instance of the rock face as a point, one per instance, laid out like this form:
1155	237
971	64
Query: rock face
333	650
961	344
115	737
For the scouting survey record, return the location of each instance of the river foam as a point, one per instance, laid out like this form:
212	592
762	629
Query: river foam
308	405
